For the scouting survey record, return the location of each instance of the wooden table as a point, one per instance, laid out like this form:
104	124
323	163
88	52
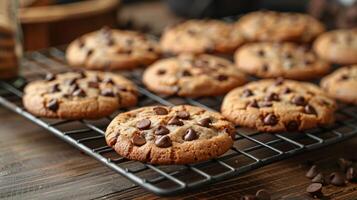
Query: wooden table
34	164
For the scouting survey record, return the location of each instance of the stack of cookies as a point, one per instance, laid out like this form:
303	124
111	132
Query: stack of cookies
271	46
8	57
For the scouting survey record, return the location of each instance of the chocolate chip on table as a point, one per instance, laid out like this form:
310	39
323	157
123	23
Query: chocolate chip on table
183	115
337	179
253	104
53	105
93	84
310	110
143	124
161	72
108	80
263	195
162	130
351	174
319	178
292	126
50	77
312	172
249	197
175	121
247	93
270	120
163	141
205	122
138	140
190	135
55	88
344	164
222	77
160	110
315	190
79	93
272	97
299	101
107	92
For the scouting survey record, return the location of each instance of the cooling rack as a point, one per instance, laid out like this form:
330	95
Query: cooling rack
251	149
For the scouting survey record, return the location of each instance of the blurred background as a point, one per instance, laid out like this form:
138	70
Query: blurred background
53	22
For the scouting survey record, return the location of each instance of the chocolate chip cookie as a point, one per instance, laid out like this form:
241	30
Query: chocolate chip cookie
278	105
79	95
338	46
170	135
193	76
342	84
271	60
109	49
201	36
279	26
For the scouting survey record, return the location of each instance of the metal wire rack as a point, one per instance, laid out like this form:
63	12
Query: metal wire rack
251	149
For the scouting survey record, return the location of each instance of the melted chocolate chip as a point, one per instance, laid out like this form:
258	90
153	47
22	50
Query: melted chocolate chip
163	141
160	110
50	77
299	101
162	130
79	93
205	122
55	88
138	140
270	120
292	126
190	135
272	97
183	115
222	77
53	105
310	110
161	72
247	93
253	104
93	84
143	124
107	92
175	121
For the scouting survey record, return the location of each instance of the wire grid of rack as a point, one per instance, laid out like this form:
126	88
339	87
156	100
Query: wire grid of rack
251	149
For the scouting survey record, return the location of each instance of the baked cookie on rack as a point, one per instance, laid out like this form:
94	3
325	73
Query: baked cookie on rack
342	84
109	49
191	75
201	36
279	105
288	60
279	26
79	95
338	46
170	135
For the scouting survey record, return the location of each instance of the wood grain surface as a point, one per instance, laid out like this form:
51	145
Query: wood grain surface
34	164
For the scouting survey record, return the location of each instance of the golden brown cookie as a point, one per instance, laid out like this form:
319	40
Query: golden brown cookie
170	135
79	95
279	105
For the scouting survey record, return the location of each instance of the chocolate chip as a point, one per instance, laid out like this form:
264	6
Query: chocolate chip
337	179
89	52
265	67
308	61
93	84
162	130
314	189
150	49
310	110
107	92
161	72
344	77
53	105
160	110
108	80
247	93
138	140
292	126
248	197
110	41
175	121
163	141
186	73
261	53
50	77
82	74
272	97
344	164
96	79
265	104
263	195
288	55
279	81
55	88
319	178
270	120
190	135
351	174
81	43
253	104
71	81
205	122
286	90
299	101
143	124
312	172
183	115
222	77
79	93
73	88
